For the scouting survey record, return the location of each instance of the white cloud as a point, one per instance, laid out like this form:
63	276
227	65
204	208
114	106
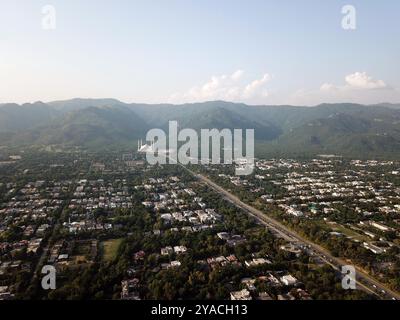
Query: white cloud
254	87
361	80
356	81
358	87
237	75
225	87
328	87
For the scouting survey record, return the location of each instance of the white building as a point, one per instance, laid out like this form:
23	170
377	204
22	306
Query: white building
241	295
288	280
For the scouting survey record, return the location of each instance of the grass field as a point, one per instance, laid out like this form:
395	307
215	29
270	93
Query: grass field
347	231
110	249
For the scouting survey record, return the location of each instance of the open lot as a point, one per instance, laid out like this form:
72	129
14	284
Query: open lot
110	249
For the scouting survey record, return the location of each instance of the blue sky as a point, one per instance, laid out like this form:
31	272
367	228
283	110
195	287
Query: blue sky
259	52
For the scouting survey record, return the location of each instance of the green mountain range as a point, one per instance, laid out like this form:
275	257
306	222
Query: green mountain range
342	129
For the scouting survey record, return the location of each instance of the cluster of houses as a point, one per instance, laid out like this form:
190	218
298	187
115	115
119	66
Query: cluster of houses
86	225
181	211
96	194
220	261
287	286
92	195
316	188
162	198
194	217
28	213
169	250
64	254
177	206
231	239
30	210
311	189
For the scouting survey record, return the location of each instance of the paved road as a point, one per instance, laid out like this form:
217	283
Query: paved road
364	281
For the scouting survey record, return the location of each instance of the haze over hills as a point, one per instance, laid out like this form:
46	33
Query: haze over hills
345	129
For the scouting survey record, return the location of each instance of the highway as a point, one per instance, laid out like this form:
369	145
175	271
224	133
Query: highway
364	281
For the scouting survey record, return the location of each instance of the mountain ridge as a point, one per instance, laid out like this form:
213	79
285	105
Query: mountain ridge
340	128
